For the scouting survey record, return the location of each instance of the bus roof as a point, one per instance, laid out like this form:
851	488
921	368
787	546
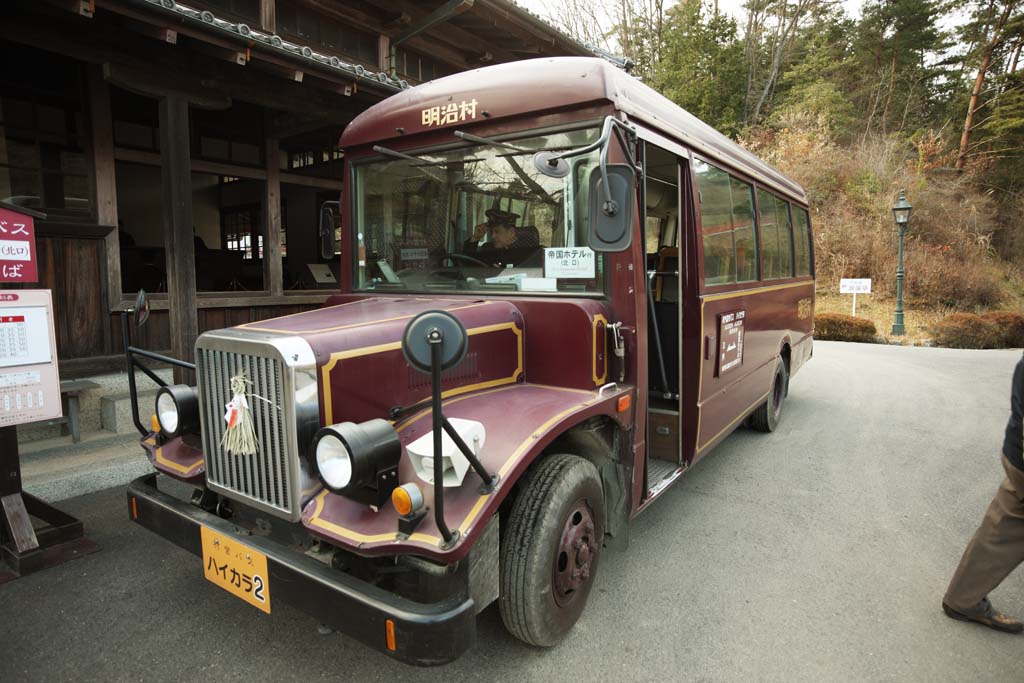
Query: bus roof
537	85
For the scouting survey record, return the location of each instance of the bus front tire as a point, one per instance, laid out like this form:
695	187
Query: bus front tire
550	549
768	415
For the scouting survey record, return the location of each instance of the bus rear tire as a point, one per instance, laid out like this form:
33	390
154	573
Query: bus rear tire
550	549
768	415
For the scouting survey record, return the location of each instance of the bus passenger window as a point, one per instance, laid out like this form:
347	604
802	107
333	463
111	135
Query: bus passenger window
776	236
802	241
727	226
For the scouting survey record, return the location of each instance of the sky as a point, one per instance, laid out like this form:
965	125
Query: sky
544	8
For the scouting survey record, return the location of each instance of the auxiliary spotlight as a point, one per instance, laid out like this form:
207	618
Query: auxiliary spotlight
177	410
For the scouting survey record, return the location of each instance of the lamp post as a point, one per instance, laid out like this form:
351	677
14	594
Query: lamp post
901	212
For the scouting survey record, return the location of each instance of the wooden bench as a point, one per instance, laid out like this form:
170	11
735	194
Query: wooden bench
70	390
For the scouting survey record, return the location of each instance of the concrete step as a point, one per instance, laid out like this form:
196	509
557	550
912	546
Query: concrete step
90	406
116	411
55	469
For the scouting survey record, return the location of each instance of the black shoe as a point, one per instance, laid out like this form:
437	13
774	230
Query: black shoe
991	617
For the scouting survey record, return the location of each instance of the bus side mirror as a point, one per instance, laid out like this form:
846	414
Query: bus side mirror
611	208
326	234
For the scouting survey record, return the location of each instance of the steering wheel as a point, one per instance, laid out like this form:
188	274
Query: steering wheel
465	258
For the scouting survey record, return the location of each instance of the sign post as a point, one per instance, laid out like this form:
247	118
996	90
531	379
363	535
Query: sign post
29	392
855	286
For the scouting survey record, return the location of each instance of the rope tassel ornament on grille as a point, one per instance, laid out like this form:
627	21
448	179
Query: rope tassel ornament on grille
240	435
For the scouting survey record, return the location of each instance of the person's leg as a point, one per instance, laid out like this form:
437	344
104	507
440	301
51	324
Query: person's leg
996	549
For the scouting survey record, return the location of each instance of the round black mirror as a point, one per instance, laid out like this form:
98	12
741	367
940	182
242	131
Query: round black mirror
550	164
432	328
141	309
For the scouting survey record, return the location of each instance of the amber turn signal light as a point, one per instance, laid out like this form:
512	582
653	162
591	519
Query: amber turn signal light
154	423
407	499
624	403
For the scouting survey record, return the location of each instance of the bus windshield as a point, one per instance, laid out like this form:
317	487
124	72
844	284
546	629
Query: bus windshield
476	218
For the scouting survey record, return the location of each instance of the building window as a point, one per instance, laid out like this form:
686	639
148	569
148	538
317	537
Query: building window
234	135
309	28
240	230
413	66
42	131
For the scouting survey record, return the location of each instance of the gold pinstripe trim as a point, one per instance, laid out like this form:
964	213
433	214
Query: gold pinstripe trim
703	361
474	512
756	290
338	356
362	324
735	420
598	381
159	457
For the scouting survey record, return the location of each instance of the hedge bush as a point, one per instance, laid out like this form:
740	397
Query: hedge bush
1010	326
966	331
840	327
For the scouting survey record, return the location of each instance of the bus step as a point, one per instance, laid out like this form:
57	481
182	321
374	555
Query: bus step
661	473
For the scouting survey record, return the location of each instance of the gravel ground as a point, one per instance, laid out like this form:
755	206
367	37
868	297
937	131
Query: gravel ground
820	552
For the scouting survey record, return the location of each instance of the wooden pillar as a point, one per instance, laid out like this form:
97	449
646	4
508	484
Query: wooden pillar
176	177
268	15
104	177
272	267
10	465
387	64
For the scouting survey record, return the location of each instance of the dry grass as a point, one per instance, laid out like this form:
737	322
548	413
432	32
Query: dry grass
916	320
951	258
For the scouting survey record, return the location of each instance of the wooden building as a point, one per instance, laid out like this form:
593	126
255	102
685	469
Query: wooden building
185	147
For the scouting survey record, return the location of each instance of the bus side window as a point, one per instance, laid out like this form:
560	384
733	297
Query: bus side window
727	226
776	236
802	241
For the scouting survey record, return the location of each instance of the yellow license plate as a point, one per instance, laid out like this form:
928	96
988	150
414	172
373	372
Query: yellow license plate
236	568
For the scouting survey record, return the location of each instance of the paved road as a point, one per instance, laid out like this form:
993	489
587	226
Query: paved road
817	553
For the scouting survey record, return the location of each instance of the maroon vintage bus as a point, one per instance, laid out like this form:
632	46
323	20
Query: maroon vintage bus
558	292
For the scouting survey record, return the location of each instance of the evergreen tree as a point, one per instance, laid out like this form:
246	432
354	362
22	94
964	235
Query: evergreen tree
701	65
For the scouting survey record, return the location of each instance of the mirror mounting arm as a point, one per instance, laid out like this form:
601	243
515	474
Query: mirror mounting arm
612	125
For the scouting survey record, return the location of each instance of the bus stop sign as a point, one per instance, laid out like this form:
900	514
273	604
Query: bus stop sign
17	247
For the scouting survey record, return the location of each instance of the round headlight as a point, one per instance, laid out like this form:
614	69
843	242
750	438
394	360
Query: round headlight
333	461
177	410
167	413
359	461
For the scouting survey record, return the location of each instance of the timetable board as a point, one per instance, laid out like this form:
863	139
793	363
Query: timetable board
29	377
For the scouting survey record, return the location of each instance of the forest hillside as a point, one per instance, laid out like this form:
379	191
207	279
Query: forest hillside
915	94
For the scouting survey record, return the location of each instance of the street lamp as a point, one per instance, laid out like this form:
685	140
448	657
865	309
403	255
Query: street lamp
901	212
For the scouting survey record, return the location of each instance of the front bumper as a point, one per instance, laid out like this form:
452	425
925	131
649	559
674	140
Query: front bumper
424	634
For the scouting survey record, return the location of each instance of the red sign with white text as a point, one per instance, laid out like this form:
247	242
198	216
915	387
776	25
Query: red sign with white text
17	247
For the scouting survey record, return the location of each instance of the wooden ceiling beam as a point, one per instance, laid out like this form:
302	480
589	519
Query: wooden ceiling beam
160	61
449	42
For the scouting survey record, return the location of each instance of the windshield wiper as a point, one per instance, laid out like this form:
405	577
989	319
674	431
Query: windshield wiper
408	157
530	182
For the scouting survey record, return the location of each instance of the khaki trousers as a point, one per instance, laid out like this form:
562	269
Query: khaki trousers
996	549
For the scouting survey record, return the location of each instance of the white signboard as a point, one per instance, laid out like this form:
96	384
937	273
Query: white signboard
24	336
29	380
850	285
570	262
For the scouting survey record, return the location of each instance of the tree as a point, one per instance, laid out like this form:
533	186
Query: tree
786	17
991	27
701	65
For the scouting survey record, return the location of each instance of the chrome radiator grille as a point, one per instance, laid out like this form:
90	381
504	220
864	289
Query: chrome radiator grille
266	477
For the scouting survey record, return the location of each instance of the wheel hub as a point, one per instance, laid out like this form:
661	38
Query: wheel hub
575	553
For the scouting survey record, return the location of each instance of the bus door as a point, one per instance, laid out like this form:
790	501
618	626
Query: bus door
662	246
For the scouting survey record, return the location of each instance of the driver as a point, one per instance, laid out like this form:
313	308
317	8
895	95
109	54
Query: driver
509	245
